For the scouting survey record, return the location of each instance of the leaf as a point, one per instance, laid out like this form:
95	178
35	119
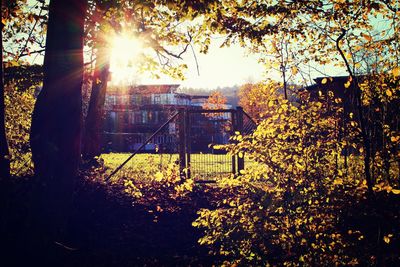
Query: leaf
389	92
367	37
158	176
396	72
324	81
394	138
347	84
386	239
338	181
295	70
396	191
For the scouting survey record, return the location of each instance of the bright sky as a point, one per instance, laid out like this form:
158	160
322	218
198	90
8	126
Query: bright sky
223	67
220	67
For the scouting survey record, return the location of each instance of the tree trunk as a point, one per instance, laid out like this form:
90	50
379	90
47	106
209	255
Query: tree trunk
57	116
94	119
363	125
4	152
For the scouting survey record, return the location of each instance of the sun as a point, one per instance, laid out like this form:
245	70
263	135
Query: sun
125	55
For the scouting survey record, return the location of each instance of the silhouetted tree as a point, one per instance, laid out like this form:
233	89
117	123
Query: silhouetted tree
57	116
4	152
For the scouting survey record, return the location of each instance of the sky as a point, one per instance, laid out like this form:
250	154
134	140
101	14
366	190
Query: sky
220	67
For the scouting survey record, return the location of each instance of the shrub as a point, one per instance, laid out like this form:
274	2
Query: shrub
285	209
19	106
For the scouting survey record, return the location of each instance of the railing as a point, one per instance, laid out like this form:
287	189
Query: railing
196	133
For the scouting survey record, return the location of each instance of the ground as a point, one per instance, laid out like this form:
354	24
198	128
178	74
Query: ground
107	229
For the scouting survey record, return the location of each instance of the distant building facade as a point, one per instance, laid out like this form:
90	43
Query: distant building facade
133	113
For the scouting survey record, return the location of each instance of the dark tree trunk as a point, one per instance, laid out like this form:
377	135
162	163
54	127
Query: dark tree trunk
94	119
363	125
57	116
4	152
56	120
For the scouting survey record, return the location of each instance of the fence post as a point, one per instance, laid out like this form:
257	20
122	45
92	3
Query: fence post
233	120
182	137
239	128
187	142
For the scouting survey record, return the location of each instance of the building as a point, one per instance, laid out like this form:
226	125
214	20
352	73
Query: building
133	113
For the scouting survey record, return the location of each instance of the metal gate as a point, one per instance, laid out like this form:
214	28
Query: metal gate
197	133
205	130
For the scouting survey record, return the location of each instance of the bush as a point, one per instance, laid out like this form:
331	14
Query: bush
19	106
286	208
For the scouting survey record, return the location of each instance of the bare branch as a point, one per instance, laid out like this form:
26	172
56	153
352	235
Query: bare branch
30	33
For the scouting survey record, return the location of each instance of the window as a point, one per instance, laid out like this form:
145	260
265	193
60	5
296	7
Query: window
157	99
138	117
136	100
155	116
111	100
144	116
132	117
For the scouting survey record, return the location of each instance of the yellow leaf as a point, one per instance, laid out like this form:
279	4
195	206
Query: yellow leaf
396	191
324	80
338	181
295	70
386	239
158	176
347	84
270	104
396	72
389	92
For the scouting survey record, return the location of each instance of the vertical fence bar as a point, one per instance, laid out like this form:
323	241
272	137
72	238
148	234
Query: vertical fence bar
233	121
188	141
182	150
239	127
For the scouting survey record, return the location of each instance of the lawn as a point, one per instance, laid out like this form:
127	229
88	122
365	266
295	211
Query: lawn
203	166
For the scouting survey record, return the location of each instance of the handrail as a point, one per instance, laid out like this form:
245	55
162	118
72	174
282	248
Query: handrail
142	146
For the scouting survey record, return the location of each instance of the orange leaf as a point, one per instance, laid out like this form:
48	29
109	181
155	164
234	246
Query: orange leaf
396	72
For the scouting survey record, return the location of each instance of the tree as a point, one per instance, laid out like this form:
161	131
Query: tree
257	99
216	100
4	152
325	32
94	119
147	22
57	117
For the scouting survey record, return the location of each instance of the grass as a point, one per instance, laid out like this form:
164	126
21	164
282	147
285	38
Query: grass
202	166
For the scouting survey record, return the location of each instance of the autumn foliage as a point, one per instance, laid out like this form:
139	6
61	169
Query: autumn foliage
290	206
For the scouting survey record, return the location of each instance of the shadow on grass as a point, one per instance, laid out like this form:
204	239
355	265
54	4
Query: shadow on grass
104	228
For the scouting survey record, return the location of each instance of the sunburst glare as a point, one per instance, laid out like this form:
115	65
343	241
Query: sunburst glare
125	54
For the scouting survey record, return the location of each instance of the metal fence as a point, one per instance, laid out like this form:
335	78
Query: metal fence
189	137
